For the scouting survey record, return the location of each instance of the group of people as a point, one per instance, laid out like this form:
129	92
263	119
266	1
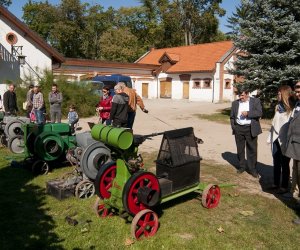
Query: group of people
119	110
284	136
35	105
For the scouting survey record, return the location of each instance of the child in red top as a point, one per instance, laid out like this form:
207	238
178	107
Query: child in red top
104	106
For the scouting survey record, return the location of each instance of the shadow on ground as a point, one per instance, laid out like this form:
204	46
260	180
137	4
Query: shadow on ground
24	223
266	180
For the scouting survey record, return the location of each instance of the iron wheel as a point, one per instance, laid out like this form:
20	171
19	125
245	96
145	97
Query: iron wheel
145	223
40	167
84	189
104	180
211	196
130	193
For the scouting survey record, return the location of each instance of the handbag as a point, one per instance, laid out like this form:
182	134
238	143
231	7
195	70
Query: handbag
25	105
32	116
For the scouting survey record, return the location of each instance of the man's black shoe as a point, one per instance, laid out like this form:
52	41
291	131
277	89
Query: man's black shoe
254	174
296	221
240	170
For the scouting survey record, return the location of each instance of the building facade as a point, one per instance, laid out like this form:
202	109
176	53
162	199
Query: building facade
197	72
23	53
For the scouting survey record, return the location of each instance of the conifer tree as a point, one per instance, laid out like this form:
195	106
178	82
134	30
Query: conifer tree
267	32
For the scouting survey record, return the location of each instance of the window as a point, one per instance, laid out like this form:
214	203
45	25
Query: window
207	83
197	84
227	83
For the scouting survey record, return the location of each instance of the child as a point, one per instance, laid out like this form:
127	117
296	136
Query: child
72	117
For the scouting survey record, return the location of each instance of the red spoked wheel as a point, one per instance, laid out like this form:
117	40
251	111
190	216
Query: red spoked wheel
145	223
104	180
137	182
211	196
101	210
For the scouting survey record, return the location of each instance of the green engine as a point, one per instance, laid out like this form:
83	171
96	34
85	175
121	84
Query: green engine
47	142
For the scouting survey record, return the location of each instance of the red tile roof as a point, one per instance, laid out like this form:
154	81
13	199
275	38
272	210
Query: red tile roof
194	58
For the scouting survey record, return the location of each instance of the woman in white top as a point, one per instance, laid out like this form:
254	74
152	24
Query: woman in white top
278	137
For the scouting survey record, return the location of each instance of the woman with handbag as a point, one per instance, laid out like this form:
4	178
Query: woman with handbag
278	138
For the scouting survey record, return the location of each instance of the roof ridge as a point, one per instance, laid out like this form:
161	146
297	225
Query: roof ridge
193	45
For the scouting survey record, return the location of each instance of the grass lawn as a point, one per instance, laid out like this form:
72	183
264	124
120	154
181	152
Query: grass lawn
30	219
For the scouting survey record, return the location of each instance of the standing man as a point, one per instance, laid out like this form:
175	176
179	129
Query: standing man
119	107
29	98
244	118
293	141
10	101
134	99
55	99
38	105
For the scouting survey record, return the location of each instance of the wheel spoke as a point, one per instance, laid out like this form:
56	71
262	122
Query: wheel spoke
107	179
147	217
140	223
108	186
139	232
151	223
141	183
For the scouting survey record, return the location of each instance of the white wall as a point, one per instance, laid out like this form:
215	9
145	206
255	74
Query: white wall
201	94
152	85
228	94
36	57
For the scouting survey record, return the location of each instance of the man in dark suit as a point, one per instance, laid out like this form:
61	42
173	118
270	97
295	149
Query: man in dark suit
10	101
244	117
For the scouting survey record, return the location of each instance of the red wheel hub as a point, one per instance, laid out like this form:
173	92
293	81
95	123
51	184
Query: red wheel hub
106	181
145	223
211	196
141	179
101	210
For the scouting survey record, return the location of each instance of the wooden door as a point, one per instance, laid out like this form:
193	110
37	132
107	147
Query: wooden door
186	90
145	90
165	89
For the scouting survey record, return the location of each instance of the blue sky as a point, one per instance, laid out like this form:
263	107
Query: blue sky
228	5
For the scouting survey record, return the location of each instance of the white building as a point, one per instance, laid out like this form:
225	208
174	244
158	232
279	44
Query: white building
197	73
17	41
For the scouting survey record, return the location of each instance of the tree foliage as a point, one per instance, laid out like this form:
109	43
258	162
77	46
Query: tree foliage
5	2
88	31
267	33
79	94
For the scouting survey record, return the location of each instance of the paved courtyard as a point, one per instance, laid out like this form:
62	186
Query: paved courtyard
167	114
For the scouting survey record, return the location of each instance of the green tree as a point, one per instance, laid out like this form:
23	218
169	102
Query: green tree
185	21
268	35
97	21
62	26
119	44
5	2
67	32
40	17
